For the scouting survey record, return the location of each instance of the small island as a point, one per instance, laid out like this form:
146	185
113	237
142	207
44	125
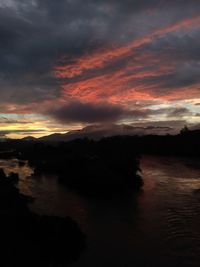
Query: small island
94	168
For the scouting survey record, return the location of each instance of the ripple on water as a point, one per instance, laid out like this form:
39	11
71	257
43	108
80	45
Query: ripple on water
178	201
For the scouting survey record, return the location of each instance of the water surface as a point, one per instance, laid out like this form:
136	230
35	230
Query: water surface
158	227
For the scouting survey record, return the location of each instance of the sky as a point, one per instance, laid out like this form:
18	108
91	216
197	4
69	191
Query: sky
70	64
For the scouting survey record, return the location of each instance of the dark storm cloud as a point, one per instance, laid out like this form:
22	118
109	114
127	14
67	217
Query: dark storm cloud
92	113
104	113
35	34
184	75
179	51
80	112
183	45
179	112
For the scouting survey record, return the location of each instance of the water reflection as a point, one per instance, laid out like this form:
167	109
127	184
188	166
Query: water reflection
174	207
14	165
159	226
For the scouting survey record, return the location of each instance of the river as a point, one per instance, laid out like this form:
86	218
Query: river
160	226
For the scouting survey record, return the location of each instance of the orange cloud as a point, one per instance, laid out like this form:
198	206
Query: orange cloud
92	77
99	59
120	85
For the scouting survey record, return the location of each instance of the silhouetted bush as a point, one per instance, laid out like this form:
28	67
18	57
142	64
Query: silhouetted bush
91	167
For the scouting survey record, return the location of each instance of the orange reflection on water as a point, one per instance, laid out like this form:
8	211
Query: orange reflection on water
13	165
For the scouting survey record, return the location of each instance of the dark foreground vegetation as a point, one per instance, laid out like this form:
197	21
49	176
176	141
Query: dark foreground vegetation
31	240
92	168
186	143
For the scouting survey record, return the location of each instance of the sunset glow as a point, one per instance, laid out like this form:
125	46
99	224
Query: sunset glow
103	65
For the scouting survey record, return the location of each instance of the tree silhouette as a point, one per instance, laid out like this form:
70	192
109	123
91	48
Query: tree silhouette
184	130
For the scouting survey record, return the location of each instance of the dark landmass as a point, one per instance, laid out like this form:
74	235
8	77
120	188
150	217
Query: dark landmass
31	240
102	167
186	143
95	168
7	154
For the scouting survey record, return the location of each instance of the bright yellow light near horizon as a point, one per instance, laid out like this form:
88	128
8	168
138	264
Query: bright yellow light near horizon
37	128
21	135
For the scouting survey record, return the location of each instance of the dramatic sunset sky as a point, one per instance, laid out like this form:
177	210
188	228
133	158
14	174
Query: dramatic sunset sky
69	64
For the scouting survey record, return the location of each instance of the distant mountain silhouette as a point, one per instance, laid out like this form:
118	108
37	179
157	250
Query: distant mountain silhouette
97	132
153	140
186	142
29	138
55	137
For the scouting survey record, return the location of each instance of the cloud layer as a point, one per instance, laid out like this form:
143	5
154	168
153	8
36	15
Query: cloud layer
104	61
